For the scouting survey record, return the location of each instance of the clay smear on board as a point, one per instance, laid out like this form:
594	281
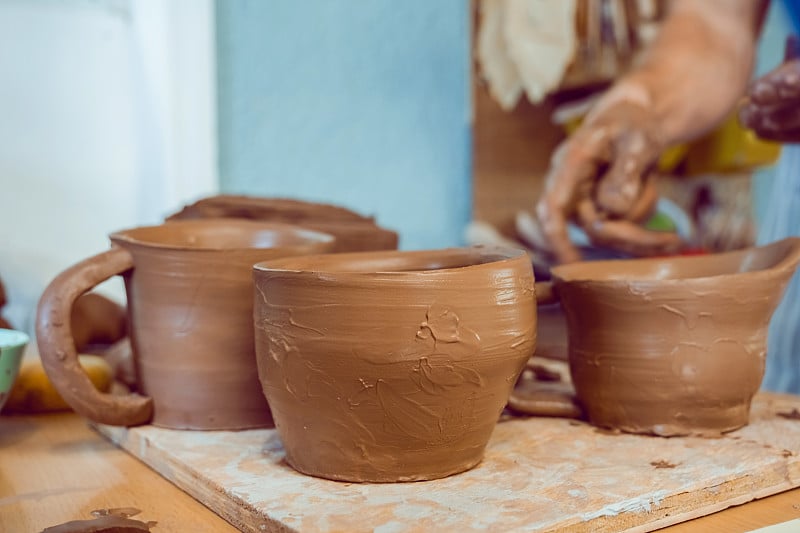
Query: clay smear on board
117	520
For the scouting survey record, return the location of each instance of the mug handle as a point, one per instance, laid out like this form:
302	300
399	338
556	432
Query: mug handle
544	400
57	347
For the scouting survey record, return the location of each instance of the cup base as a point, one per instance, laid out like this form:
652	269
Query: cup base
702	423
195	422
367	475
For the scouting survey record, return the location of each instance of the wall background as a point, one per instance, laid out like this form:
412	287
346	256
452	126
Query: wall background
362	104
769	55
107	122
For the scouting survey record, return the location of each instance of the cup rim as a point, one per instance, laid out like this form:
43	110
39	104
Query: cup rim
563	274
13	338
492	257
310	237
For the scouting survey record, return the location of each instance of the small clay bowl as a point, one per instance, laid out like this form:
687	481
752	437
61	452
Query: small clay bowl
12	346
672	346
392	366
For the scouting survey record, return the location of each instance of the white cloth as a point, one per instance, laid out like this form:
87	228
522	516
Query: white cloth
525	45
781	220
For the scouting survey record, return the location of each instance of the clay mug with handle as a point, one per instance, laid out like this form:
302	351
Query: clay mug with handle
190	305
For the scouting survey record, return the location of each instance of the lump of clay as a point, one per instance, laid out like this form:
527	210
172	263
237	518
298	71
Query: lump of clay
353	232
105	521
97	321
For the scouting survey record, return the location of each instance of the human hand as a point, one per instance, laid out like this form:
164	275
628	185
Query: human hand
773	106
602	179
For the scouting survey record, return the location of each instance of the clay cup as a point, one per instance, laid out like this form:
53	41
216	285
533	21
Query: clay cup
392	366
671	346
190	303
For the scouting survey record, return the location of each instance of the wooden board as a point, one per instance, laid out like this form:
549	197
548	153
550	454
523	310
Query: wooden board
538	475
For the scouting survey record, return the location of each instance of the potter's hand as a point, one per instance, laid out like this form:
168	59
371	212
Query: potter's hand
602	179
773	106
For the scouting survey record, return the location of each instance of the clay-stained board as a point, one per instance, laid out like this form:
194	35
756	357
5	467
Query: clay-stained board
538	475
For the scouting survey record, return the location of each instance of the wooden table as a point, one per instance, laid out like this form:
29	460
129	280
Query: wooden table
54	468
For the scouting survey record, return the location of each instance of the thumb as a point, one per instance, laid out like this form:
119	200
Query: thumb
618	190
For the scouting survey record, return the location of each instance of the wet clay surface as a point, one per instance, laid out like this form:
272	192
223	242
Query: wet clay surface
353	232
396	365
190	301
672	346
105	521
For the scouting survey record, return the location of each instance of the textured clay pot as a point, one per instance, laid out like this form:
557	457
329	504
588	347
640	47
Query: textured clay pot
392	366
353	232
190	303
673	346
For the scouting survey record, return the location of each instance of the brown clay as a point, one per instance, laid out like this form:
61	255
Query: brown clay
392	366
672	346
542	391
253	207
190	301
96	320
3	323
352	231
105	521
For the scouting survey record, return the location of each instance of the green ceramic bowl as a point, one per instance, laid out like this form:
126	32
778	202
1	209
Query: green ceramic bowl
12	344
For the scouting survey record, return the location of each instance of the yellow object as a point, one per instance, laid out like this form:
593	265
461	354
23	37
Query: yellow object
730	149
33	392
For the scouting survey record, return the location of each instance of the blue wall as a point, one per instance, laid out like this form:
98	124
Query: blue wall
769	55
359	103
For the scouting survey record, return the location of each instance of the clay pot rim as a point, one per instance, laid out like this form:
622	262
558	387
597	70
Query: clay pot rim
301	222
280	205
495	256
562	276
341	224
306	237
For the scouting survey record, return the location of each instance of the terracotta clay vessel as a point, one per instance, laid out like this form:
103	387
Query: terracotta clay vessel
353	232
190	304
392	366
671	346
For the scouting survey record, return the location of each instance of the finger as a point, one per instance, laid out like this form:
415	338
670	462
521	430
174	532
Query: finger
771	121
573	165
626	236
635	240
777	86
553	223
619	189
786	137
644	207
